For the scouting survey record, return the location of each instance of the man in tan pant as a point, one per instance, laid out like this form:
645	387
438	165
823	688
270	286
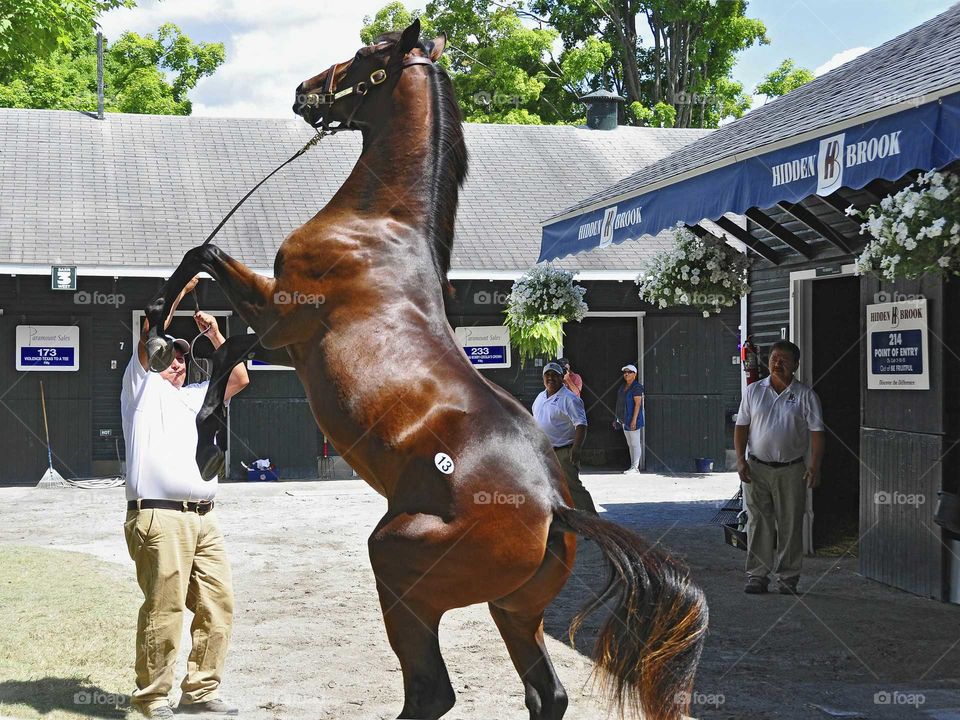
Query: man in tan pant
779	420
172	532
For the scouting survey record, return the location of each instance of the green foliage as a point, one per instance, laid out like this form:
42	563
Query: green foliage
785	78
31	30
540	302
393	16
503	70
142	74
660	115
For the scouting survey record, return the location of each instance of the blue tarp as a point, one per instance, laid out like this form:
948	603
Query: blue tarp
920	138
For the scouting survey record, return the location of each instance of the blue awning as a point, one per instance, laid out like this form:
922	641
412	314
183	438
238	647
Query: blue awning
920	138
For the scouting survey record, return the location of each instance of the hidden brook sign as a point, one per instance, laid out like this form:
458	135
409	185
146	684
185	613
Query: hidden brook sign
897	358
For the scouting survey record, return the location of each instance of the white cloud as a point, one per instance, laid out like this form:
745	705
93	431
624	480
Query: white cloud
270	46
839	59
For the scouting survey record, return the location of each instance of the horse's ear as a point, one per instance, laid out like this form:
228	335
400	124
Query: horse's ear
436	47
409	38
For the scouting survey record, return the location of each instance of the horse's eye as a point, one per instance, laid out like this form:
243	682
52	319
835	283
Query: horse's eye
358	57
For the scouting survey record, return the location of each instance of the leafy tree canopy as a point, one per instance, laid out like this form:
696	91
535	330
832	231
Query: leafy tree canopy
142	74
785	78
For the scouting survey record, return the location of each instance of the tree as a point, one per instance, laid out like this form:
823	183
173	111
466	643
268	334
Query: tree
503	70
31	30
785	78
142	74
137	63
695	43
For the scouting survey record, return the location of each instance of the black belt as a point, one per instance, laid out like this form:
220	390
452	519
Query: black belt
563	447
776	464
200	508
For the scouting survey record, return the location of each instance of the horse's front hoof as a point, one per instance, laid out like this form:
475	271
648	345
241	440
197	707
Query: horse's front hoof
210	461
159	353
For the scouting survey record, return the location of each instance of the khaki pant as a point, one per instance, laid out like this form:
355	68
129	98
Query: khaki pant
581	496
181	564
776	500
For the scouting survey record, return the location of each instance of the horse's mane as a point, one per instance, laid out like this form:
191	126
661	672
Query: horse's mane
449	163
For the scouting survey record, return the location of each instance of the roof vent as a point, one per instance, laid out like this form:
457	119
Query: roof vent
602	109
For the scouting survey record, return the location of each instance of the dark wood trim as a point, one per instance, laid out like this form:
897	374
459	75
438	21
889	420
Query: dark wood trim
759	247
831	235
780	232
835	201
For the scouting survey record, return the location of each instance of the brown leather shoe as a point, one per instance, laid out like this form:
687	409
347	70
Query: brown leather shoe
755	586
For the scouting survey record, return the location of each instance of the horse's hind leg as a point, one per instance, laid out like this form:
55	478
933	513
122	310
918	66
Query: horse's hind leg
523	634
250	294
412	619
212	420
412	629
519	617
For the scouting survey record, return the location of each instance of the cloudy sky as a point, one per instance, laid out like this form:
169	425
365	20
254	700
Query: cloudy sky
272	45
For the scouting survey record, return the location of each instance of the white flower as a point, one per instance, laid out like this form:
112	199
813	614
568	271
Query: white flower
852	211
944	262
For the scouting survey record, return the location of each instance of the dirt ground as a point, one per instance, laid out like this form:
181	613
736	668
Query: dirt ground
309	642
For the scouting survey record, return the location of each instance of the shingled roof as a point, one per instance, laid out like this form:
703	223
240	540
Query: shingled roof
919	64
134	192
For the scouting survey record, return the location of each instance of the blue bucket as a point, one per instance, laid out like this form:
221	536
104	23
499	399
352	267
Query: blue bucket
704	465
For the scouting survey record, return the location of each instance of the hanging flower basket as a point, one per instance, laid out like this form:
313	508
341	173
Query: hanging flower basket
915	231
696	272
540	302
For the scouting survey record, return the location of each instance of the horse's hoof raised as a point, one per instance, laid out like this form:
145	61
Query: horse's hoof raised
159	353
210	461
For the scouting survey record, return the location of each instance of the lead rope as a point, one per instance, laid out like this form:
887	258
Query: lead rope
321	133
310	143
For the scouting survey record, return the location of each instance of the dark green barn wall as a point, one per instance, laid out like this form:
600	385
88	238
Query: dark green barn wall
271	418
692	384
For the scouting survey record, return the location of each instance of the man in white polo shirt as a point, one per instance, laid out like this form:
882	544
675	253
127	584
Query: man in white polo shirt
779	420
561	416
172	531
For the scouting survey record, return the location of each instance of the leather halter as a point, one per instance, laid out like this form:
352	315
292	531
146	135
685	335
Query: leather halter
330	94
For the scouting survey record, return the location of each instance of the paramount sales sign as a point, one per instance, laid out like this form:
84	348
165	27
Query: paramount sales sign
926	136
897	357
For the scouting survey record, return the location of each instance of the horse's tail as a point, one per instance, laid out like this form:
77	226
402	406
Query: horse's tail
647	651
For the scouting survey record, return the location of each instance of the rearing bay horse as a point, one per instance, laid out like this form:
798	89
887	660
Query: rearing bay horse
391	388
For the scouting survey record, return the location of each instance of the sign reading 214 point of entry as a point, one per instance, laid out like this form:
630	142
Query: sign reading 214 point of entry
487	346
897	357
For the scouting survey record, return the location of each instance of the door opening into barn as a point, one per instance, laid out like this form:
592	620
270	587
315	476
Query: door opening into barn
597	348
828	320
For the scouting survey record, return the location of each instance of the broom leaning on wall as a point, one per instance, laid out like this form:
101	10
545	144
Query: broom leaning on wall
51	478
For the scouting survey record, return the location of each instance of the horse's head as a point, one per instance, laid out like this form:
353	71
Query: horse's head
349	92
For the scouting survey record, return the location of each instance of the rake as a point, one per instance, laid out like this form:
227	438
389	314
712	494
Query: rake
51	478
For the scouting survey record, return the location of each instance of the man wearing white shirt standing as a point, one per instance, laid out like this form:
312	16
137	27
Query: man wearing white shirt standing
779	420
172	531
563	419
